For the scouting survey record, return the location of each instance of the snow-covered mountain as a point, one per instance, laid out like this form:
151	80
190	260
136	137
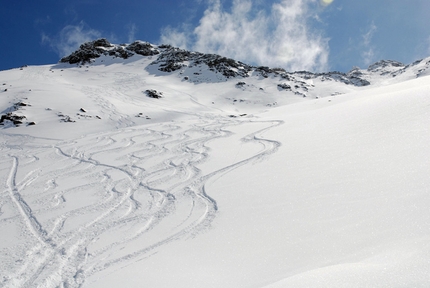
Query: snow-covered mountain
141	165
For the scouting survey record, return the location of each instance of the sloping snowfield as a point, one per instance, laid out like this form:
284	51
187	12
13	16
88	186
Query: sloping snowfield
112	188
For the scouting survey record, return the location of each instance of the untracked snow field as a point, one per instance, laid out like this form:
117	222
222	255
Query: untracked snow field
112	188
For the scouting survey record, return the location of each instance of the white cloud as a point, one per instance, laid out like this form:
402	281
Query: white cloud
132	29
281	38
175	37
368	53
70	38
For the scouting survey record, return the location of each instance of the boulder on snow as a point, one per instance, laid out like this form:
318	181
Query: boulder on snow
284	86
15	119
154	94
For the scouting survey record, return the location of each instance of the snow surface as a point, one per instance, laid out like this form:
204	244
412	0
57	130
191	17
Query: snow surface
213	185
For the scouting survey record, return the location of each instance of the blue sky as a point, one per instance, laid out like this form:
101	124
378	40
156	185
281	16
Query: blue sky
316	35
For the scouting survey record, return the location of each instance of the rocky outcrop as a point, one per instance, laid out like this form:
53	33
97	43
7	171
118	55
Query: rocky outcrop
284	86
172	59
88	51
154	94
120	52
12	118
169	59
94	49
385	66
142	48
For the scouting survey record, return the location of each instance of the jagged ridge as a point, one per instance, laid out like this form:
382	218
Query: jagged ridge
170	59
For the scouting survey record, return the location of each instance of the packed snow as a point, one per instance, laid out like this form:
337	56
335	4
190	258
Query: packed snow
218	182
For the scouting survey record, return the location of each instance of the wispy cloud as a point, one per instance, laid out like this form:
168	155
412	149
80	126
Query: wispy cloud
368	53
132	29
175	37
70	38
283	37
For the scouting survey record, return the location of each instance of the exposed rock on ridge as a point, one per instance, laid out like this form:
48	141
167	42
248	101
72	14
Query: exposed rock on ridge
94	49
170	59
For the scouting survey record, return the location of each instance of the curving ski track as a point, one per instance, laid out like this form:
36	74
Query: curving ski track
86	205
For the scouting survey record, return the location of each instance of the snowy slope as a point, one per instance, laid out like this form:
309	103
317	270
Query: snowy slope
238	176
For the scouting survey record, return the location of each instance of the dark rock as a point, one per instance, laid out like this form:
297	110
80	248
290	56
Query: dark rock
102	42
87	52
226	66
142	48
278	70
65	118
82	110
173	59
383	64
120	52
94	49
284	86
165	46
170	66
21	104
15	119
154	94
264	71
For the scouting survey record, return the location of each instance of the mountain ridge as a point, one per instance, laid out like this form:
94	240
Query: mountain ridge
170	59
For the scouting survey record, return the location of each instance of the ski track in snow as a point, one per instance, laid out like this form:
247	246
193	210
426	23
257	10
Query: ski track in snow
80	212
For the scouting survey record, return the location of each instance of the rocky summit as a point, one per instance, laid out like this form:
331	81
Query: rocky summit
168	59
